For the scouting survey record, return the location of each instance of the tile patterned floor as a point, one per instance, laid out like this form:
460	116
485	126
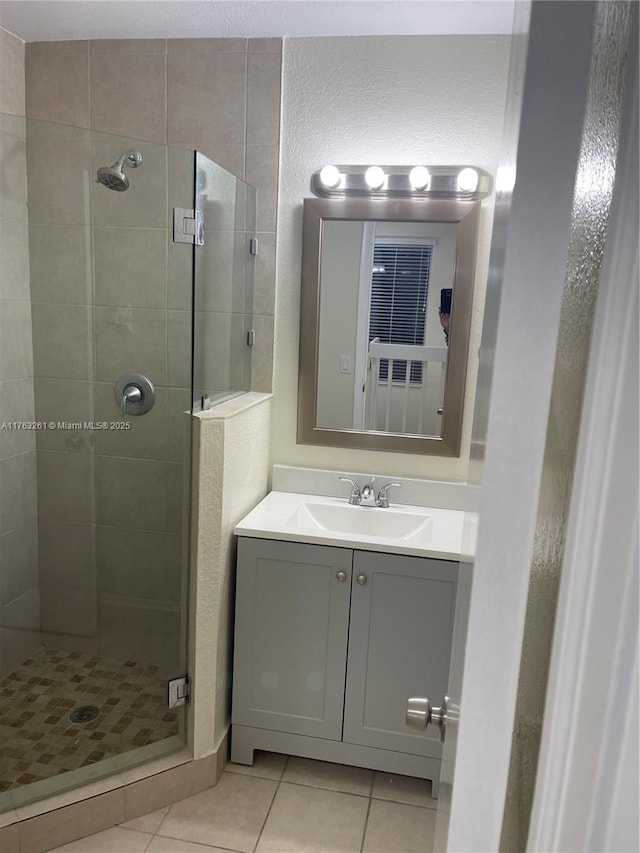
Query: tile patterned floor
284	805
40	741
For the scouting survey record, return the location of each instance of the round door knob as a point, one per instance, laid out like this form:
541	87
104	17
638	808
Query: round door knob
440	717
418	712
341	576
361	579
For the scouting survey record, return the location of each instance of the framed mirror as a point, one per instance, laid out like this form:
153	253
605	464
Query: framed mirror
387	289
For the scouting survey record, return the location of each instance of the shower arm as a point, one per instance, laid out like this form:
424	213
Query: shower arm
130	158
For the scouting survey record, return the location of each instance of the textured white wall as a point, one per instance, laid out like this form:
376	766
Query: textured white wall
82	19
387	99
230	452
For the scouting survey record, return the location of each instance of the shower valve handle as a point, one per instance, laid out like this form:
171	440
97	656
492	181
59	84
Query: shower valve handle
131	394
134	394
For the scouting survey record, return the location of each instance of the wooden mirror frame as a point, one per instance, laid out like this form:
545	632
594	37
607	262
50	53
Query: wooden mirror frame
467	216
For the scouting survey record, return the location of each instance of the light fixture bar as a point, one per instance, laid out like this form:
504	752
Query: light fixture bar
443	182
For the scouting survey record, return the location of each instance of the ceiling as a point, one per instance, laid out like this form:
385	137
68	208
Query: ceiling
53	20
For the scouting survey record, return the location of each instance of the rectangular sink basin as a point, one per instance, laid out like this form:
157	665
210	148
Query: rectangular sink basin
388	523
422	531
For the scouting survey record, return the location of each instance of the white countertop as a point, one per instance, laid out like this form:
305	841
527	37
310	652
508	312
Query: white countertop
278	516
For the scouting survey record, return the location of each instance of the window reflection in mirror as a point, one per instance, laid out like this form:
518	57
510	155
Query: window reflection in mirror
382	350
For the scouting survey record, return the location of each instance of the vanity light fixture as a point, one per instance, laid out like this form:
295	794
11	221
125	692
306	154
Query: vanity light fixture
418	182
374	176
420	178
330	176
468	180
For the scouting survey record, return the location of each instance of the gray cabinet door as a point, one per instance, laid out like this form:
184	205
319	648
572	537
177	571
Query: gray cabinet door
292	621
399	646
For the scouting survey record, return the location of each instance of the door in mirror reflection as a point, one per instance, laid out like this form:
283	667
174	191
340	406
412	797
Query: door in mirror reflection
385	304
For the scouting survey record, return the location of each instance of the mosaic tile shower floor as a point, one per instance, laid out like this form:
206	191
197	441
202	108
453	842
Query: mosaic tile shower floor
38	739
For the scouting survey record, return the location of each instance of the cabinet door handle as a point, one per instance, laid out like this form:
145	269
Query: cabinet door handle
341	577
361	579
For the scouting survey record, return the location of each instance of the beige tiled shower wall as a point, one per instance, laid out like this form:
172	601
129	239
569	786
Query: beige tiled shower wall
19	593
111	294
221	96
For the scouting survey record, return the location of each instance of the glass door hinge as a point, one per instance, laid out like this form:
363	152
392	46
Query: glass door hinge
253	246
188	226
251	337
179	691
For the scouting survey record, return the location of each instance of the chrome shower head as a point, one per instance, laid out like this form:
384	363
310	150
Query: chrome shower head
113	177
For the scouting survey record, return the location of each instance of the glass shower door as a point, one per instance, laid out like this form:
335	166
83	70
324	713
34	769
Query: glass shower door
89	643
224	270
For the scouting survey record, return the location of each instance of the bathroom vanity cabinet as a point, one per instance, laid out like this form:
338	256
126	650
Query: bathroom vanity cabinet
330	643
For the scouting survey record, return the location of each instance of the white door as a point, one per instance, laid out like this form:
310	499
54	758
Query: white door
527	270
361	367
587	788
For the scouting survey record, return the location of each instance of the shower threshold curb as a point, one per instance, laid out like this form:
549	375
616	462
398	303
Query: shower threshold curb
123	796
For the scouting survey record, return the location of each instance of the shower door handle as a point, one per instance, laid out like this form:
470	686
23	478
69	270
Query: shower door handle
135	394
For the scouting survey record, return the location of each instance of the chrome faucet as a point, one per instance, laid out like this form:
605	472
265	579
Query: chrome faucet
383	498
366	495
356	495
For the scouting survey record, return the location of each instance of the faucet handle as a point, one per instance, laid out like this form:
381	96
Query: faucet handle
383	499
132	394
355	496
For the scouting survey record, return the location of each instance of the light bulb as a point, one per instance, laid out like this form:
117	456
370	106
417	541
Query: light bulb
374	176
468	180
330	176
419	177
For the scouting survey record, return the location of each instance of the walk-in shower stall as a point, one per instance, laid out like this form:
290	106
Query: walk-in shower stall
126	303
